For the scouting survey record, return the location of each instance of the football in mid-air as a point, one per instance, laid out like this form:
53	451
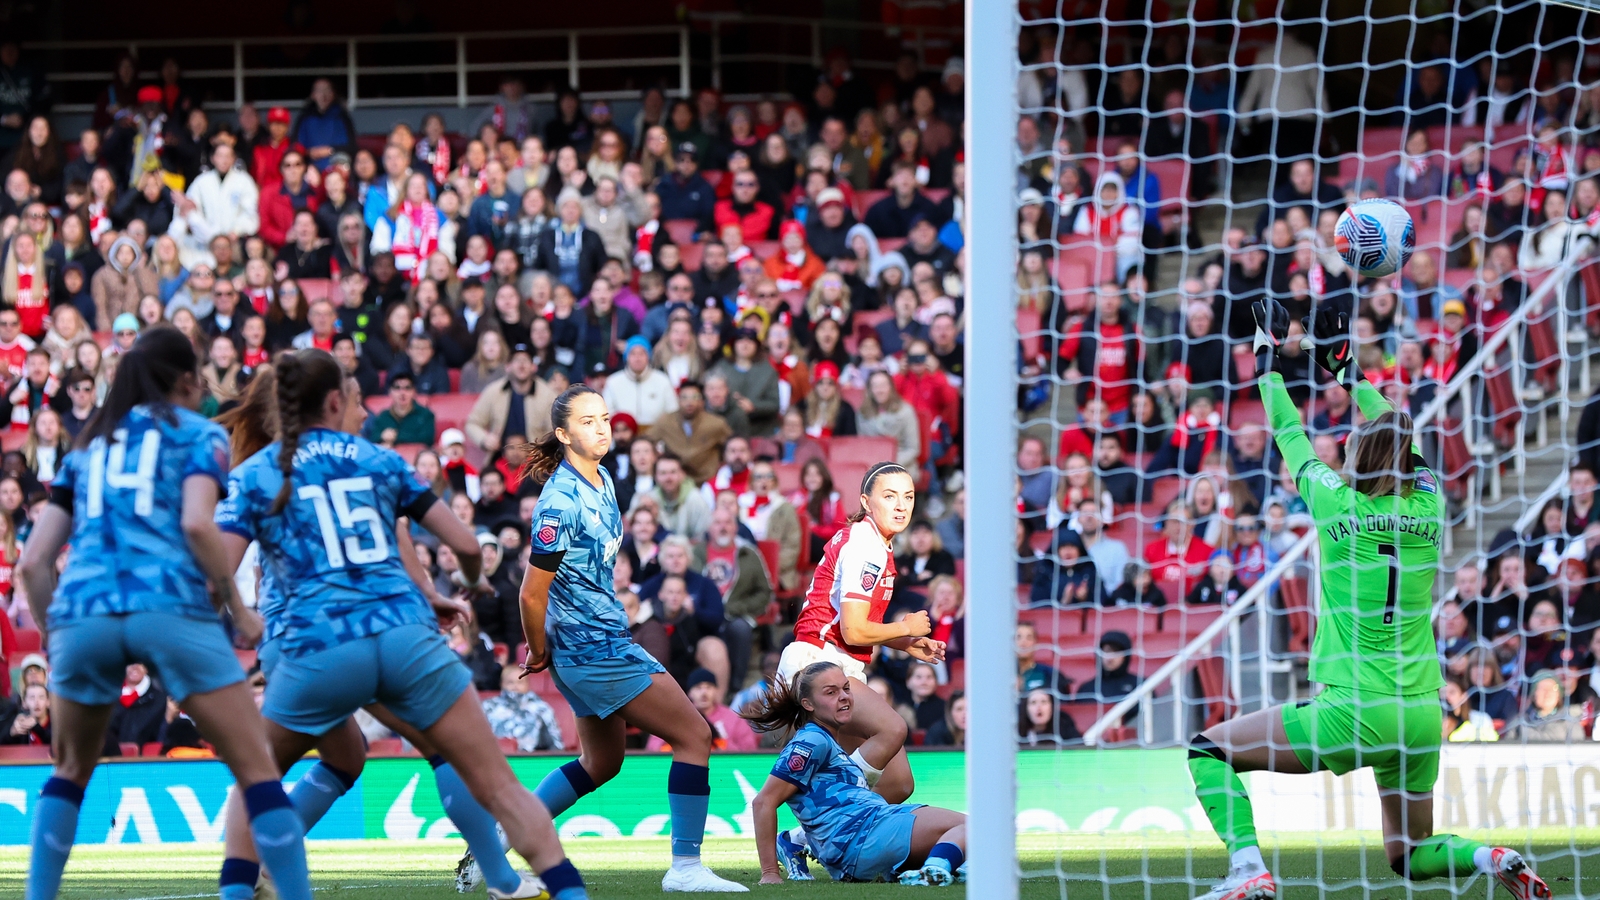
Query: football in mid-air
1375	237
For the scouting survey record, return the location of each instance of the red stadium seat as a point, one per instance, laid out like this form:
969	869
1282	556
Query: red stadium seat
564	718
128	748
314	289
682	231
28	641
1213	676
386	747
859	450
865	199
508	746
788	477
25	751
449	410
691	254
151	749
1297	609
764	250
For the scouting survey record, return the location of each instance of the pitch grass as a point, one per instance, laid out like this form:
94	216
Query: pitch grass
1338	866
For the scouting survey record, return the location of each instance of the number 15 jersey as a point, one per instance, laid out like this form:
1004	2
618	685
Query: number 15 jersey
126	496
331	552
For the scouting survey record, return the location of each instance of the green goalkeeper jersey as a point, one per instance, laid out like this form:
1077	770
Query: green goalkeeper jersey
1377	564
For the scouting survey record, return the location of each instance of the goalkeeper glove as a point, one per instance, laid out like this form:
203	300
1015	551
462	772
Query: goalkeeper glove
1329	332
1272	327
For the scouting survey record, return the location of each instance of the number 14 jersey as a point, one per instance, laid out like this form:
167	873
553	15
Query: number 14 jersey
332	552
126	496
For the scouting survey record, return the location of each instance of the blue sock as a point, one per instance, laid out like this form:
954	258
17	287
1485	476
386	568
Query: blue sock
477	827
317	790
946	855
55	826
563	882
238	881
688	797
280	838
564	787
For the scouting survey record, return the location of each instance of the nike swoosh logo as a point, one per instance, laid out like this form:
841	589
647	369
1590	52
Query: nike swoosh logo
284	841
55	844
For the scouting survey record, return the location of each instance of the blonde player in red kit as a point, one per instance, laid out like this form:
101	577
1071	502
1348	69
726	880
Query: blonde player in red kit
843	621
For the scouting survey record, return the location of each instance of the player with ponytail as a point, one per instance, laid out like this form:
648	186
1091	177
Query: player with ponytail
843	620
137	497
855	833
327	508
575	627
1379	528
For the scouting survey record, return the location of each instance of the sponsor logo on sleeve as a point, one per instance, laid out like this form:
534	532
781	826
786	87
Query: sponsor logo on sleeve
549	526
798	757
869	575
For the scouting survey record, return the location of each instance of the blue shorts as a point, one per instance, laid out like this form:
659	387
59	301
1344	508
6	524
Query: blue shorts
268	655
880	848
409	669
600	680
89	657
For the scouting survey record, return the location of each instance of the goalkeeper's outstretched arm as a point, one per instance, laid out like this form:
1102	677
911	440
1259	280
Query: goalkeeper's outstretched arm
1284	420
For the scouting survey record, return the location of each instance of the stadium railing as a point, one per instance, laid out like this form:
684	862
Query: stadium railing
1173	674
79	72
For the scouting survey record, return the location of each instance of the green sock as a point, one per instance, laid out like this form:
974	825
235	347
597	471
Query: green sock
1442	856
1222	795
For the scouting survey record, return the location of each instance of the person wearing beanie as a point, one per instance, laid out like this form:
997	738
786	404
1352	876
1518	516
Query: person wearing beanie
1547	718
1113	678
795	267
574	254
728	730
1069	577
639	389
1220	586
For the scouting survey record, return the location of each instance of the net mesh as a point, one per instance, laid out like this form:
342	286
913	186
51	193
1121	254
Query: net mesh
1174	165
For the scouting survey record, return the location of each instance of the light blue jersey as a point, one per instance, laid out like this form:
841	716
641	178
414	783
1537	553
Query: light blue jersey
835	805
331	556
128	552
582	521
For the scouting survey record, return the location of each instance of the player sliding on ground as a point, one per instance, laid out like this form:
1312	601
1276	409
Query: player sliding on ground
1374	652
855	833
842	622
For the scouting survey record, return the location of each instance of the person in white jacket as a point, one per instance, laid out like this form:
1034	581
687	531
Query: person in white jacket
1286	96
638	389
221	200
1113	223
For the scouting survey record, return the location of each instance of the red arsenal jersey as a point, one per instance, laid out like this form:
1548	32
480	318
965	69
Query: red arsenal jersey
857	566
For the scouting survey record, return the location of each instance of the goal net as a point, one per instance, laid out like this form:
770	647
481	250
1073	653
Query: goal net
1183	563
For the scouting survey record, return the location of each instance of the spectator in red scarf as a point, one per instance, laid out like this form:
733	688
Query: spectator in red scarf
1194	438
795	267
410	230
756	219
137	720
1179	560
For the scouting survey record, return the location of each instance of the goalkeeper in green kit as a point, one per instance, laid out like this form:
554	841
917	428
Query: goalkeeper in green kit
1378	529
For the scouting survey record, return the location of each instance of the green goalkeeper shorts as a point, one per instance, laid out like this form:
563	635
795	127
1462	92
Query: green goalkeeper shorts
1397	736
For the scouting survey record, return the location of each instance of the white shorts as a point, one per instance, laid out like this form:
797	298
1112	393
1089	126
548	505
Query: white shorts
800	654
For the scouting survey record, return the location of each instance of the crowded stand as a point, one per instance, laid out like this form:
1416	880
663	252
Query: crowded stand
769	296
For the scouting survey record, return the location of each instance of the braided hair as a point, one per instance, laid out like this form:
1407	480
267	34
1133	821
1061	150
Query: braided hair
253	423
305	379
871	479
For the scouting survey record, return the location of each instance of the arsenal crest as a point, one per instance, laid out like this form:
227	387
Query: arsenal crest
869	576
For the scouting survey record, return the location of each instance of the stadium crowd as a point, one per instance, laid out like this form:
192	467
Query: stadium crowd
769	295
